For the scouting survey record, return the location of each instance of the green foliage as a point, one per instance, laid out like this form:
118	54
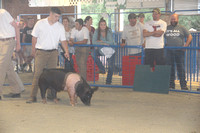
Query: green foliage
98	10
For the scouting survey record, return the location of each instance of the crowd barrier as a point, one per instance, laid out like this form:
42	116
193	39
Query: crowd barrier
192	64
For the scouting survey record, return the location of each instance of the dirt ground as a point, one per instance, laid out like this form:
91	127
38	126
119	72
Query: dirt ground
112	110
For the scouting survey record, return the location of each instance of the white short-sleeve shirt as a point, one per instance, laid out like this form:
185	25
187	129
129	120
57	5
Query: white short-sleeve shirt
6	29
48	36
151	41
80	35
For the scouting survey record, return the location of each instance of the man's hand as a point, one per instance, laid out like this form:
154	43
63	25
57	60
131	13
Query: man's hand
66	54
143	45
122	44
33	52
18	47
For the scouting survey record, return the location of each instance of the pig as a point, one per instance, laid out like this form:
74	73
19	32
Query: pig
65	80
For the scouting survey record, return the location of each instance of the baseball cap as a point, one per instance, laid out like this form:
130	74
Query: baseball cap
156	10
132	16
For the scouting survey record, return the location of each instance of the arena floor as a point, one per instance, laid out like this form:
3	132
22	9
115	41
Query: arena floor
113	110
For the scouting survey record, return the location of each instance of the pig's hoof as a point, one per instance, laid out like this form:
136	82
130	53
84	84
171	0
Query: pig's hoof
72	104
56	100
44	101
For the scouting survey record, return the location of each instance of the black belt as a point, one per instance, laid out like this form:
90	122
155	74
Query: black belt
51	50
7	39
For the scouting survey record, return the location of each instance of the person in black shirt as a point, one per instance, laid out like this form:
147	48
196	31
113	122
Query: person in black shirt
20	54
27	38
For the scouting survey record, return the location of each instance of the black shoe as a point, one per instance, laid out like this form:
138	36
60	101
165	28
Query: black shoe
0	97
12	95
32	100
198	89
184	88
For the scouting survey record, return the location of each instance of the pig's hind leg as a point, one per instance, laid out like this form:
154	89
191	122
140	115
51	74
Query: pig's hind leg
54	95
43	89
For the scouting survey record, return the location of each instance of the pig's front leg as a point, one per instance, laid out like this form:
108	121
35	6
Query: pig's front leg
44	100
71	96
56	100
76	99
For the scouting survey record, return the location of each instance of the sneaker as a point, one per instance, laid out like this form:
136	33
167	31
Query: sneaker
21	68
12	95
32	100
16	68
29	71
184	88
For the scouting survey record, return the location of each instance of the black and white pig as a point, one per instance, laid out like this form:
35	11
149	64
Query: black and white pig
64	80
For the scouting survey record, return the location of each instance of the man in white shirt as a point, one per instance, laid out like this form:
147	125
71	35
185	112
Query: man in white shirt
9	31
80	35
133	35
46	36
154	34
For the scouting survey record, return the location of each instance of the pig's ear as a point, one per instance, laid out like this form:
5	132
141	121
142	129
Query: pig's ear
95	88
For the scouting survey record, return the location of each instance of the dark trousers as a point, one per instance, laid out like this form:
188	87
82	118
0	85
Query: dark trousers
69	65
154	56
176	58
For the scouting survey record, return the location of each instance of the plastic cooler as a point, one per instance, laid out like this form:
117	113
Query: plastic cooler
91	70
75	64
128	68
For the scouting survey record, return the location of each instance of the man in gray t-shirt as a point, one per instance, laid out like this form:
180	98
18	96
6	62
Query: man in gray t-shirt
175	37
133	35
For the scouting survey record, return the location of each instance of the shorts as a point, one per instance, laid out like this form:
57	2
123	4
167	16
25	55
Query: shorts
28	51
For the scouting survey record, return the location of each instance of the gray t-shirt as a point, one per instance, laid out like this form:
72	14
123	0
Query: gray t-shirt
133	36
175	36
